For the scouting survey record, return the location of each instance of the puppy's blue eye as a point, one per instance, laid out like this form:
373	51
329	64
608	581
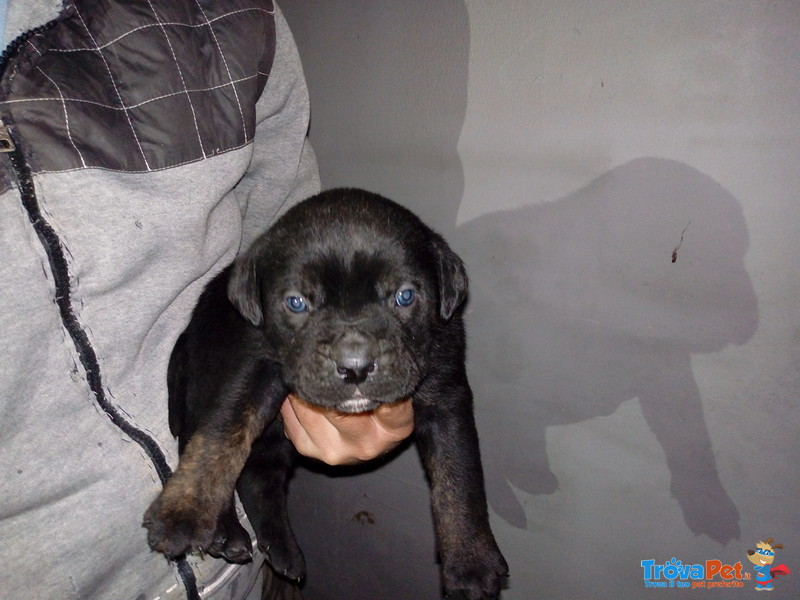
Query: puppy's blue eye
405	297
296	304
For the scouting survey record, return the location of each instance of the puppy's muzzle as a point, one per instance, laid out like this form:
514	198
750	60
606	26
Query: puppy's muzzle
355	355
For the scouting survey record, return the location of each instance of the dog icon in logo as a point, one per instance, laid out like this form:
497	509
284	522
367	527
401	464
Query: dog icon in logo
763	559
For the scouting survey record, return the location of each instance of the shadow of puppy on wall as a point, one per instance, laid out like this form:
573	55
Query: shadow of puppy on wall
602	297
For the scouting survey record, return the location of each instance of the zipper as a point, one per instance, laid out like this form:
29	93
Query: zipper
6	143
59	269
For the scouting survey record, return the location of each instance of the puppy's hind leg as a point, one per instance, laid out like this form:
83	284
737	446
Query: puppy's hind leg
262	488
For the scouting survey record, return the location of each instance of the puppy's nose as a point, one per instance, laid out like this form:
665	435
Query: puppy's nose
354	357
357	372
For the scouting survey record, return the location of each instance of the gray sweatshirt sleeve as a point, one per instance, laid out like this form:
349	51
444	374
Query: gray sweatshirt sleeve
283	170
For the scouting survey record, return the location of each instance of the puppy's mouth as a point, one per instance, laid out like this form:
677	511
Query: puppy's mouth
357	404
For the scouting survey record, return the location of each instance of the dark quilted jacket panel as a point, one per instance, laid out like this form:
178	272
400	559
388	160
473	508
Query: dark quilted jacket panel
140	85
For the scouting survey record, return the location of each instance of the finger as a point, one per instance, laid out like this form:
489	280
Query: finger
395	420
295	432
353	428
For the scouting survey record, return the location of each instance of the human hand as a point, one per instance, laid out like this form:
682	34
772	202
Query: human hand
344	439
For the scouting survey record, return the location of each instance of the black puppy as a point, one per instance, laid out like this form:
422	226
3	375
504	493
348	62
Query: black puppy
349	301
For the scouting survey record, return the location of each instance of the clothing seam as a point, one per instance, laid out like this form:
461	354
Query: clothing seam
180	74
59	268
165	23
140	171
66	116
116	88
127	107
227	69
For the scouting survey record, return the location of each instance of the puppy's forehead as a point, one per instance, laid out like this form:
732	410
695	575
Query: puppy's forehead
349	235
357	255
352	265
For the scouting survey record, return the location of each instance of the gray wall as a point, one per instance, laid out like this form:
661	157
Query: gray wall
622	179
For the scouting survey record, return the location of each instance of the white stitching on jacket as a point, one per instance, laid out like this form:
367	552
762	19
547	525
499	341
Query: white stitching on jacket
183	81
163	24
227	69
66	116
116	89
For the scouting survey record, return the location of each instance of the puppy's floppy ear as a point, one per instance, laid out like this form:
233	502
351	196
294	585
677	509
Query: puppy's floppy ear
453	282
243	289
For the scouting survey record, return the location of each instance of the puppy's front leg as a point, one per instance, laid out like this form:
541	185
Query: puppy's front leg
184	517
448	444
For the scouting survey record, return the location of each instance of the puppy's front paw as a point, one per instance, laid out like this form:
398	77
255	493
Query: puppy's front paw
477	571
231	541
175	528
